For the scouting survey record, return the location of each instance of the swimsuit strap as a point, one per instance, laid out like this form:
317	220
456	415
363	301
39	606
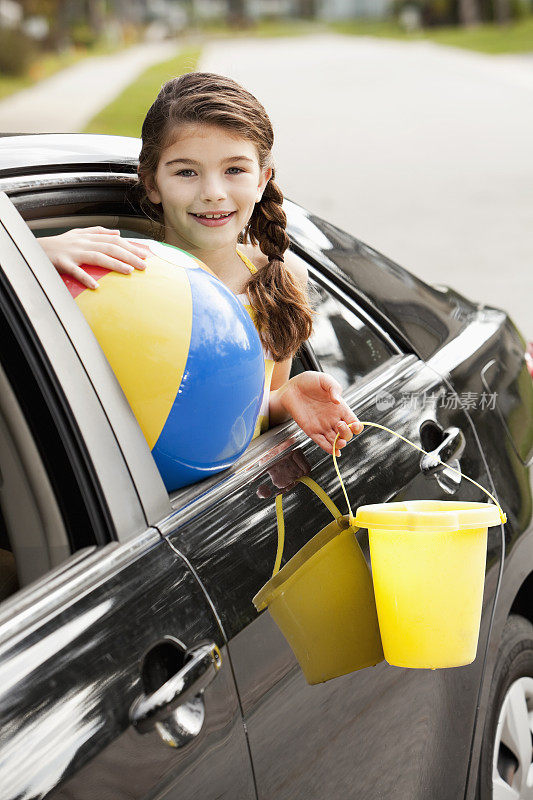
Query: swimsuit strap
251	267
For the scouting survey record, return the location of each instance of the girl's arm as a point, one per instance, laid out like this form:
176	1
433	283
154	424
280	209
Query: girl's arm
98	246
280	376
312	399
282	369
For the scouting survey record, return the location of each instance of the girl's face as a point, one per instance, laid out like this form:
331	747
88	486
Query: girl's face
207	171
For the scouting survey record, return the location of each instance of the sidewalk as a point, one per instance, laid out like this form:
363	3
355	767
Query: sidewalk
67	101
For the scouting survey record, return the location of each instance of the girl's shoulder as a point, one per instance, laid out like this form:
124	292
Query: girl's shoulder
294	263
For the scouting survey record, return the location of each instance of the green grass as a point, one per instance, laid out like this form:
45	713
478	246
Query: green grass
125	115
516	37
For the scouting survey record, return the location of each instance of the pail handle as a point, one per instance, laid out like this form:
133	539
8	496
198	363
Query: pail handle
503	518
321	494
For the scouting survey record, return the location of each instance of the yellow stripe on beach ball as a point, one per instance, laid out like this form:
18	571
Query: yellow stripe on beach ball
148	357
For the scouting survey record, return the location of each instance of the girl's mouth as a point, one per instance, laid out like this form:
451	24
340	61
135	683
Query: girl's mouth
213	220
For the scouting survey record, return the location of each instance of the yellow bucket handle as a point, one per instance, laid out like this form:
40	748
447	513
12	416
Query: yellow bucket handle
503	518
328	502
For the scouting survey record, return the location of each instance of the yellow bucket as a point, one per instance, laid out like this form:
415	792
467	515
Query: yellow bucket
428	567
323	602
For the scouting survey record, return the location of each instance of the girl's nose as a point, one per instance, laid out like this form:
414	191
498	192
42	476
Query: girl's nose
212	189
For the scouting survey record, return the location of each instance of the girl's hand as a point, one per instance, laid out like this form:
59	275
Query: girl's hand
314	401
97	246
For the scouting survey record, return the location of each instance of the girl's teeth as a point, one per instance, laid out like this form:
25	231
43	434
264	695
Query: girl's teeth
212	216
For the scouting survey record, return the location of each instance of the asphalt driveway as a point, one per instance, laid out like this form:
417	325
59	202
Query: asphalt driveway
424	152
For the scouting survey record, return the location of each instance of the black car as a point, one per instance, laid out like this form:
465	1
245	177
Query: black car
133	663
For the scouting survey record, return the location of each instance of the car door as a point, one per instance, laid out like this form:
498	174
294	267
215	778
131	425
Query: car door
115	680
382	732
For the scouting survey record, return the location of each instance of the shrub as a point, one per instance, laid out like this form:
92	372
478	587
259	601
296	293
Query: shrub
17	51
82	35
430	12
520	9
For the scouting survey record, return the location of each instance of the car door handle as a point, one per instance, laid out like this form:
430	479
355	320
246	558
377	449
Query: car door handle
451	448
191	680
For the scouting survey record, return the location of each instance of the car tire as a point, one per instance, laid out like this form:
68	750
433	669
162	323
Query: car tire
506	750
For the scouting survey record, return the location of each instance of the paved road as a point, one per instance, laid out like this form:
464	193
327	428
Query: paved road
68	100
424	152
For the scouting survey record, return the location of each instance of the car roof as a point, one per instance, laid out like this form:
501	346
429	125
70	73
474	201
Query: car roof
48	152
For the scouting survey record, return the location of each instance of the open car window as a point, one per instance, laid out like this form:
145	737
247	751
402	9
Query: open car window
344	343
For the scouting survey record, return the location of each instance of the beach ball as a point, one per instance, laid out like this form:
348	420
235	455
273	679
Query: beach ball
186	354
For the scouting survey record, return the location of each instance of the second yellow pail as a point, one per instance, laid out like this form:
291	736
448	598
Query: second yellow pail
428	568
323	603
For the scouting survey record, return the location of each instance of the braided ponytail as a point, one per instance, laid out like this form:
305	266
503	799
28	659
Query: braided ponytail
282	312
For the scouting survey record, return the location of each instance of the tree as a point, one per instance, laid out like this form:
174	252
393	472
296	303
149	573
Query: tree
96	16
237	13
469	12
307	9
57	12
502	11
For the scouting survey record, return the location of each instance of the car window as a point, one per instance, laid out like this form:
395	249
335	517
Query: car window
34	533
346	345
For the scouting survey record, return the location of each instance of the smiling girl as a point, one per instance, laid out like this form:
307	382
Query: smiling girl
206	178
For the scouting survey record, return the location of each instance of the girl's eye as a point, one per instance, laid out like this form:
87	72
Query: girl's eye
186	173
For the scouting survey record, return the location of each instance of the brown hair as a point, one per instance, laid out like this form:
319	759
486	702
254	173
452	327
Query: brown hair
282	312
